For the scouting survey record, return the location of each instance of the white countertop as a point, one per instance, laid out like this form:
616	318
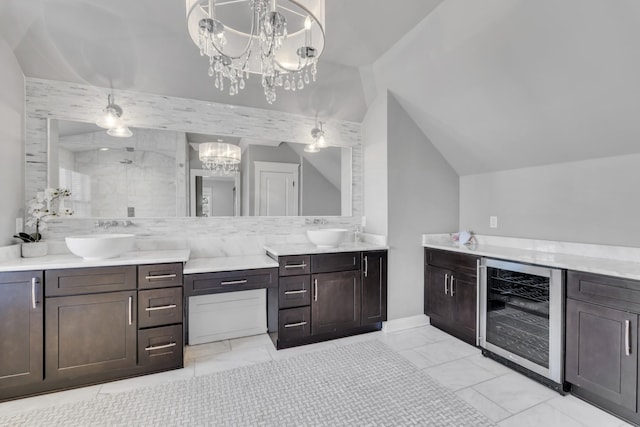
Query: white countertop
309	248
230	263
51	262
629	269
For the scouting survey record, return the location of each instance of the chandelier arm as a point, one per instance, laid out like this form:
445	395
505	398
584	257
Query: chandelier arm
247	48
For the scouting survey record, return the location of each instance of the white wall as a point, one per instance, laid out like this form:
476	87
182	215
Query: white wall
11	142
423	198
374	152
591	201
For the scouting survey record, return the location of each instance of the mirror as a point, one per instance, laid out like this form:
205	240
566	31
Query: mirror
158	173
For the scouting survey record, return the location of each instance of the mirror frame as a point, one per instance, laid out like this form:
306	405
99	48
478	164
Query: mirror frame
47	100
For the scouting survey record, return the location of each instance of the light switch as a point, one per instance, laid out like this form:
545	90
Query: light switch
493	222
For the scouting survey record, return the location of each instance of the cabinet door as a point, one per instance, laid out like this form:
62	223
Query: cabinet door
374	287
335	305
463	288
90	334
438	301
602	351
21	327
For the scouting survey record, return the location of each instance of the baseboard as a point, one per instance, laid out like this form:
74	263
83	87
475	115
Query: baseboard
405	323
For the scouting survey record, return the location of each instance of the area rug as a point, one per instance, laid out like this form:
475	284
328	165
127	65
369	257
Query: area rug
361	384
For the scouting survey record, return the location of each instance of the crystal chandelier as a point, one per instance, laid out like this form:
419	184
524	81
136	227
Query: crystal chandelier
280	40
219	157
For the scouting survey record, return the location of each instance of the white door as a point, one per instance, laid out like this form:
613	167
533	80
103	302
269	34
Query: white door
276	189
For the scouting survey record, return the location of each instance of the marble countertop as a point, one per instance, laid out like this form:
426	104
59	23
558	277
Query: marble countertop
309	248
230	263
629	269
52	262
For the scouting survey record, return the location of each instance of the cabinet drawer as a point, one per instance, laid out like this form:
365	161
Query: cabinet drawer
451	260
294	323
160	348
229	281
326	263
610	291
92	280
159	275
294	265
294	291
157	307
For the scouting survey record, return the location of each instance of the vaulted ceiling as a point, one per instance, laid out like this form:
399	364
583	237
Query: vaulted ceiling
143	45
507	84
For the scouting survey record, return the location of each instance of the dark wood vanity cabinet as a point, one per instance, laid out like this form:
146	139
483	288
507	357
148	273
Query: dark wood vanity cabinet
90	334
602	341
374	287
72	327
21	329
324	296
450	292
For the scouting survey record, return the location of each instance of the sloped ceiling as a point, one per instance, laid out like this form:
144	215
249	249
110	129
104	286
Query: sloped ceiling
143	45
505	84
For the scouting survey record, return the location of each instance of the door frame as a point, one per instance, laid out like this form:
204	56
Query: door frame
260	167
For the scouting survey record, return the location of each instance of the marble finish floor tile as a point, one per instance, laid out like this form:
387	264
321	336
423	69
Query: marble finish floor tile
148	380
445	351
515	392
405	340
583	412
490	409
232	359
250	342
200	350
540	415
459	374
489	364
51	399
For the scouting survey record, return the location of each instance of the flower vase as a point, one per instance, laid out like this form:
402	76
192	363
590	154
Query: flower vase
34	249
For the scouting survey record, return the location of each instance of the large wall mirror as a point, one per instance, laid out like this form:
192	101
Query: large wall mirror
157	173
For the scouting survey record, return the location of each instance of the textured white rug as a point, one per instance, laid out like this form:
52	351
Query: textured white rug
362	384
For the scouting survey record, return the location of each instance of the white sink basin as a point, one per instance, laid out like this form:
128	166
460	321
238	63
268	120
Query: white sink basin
100	246
328	237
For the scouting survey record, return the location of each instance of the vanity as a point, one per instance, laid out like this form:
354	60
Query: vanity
68	322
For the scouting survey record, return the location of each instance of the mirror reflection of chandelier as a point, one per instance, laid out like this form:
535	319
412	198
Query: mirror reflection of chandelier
219	157
279	39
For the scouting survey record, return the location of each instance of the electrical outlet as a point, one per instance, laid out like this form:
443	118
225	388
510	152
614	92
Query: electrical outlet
493	222
19	225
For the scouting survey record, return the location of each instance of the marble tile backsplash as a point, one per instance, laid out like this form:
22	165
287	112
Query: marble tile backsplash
205	237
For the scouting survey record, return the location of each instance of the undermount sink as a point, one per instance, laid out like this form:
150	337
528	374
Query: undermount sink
100	246
328	237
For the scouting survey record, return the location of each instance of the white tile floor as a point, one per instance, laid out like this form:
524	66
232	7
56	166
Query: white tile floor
504	396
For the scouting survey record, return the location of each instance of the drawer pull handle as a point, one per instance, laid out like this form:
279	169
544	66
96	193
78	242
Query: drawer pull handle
627	338
366	266
446	284
303	265
161	276
160	347
315	292
452	291
130	310
294	325
34	281
234	282
301	291
161	307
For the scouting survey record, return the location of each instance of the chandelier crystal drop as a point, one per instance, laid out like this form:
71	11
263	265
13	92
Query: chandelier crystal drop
220	157
280	40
